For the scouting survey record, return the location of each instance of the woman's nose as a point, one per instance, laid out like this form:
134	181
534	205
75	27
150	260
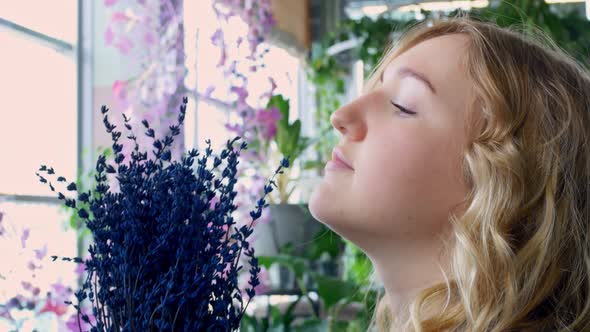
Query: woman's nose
349	120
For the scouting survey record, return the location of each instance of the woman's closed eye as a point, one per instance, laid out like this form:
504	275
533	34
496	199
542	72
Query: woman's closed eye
402	109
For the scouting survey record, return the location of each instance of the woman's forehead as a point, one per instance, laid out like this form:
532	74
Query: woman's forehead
437	62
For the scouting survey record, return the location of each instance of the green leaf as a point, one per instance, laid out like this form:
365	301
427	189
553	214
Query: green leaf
287	249
282	137
326	241
249	324
282	105
340	86
293	139
311	164
288	317
276	318
332	290
254	145
74	221
295	264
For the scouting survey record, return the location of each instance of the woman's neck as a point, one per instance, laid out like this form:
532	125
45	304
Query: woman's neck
407	270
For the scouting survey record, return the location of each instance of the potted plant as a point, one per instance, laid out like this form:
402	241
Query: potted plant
290	223
163	256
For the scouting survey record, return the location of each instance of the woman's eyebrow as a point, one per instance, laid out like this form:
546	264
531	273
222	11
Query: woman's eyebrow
407	71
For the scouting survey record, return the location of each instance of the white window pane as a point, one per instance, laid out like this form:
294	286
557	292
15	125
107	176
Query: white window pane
211	122
38	115
45	224
58	19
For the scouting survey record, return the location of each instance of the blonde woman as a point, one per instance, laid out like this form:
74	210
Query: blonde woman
463	173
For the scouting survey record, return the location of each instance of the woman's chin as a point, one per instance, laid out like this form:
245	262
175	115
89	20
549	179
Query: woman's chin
315	204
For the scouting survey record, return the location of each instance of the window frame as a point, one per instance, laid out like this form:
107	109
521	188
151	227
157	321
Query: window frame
81	53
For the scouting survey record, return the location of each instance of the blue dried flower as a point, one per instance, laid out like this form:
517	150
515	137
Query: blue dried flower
160	258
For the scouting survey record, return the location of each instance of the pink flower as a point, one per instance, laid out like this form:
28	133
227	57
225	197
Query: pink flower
119	17
60	289
109	3
212	202
109	36
271	131
264	278
72	323
124	45
55	299
119	89
80	268
57	307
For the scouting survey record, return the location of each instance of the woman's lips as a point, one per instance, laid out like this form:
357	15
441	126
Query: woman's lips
338	162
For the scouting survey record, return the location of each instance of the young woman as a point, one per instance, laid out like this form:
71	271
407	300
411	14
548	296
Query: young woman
463	174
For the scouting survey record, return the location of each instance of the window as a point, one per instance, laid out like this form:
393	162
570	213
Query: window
38	125
207	119
38	121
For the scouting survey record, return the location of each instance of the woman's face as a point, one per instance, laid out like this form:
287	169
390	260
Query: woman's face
406	176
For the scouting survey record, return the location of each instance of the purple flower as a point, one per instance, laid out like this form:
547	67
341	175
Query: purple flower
222	58
31	266
109	3
26	285
207	94
79	270
241	92
149	38
233	128
2	230
267	119
40	253
72	323
24	236
273	85
217	38
56	298
213	201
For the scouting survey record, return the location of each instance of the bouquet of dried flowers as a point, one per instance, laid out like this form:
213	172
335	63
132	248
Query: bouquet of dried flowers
163	257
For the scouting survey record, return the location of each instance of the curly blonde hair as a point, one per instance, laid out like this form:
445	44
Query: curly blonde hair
520	253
